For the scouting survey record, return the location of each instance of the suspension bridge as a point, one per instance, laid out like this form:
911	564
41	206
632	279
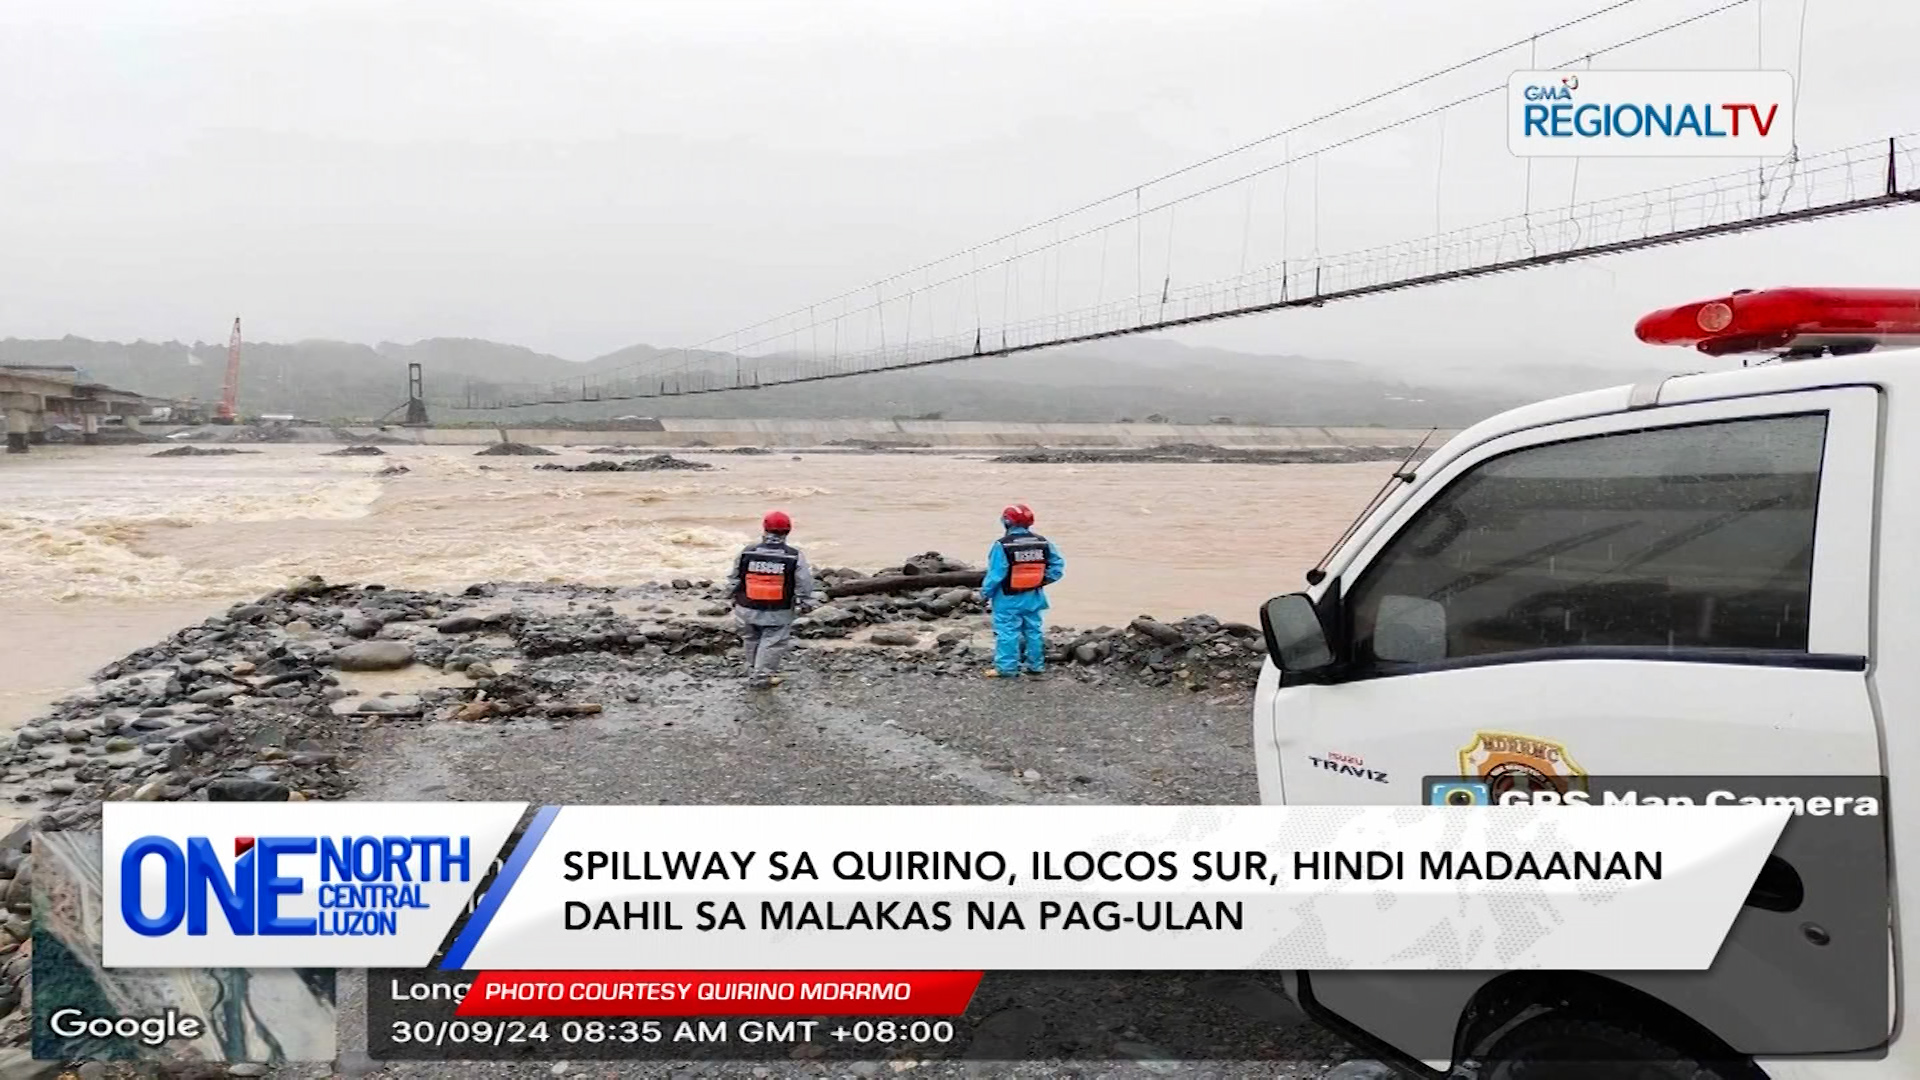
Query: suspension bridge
1083	275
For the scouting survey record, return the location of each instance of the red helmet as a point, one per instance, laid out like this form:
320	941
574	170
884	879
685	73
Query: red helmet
776	521
1017	514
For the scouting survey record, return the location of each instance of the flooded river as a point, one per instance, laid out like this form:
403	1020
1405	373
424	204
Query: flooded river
106	549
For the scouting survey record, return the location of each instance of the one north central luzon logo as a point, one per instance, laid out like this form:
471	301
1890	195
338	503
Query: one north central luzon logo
365	883
1559	110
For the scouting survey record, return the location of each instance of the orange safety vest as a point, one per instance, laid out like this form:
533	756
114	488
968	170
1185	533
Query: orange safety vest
766	573
1026	562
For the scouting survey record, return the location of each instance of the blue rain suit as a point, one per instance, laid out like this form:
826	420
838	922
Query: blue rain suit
1016	616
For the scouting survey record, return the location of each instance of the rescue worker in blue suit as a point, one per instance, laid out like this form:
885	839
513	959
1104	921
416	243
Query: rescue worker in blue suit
1020	565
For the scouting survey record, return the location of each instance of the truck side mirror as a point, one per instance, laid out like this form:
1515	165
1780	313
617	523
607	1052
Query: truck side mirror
1296	640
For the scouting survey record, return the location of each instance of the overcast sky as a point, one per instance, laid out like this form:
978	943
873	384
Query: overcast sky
577	176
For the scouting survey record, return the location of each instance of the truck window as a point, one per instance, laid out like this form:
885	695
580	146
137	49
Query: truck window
1694	537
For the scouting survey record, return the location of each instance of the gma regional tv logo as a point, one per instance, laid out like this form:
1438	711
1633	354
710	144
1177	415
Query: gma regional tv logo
195	885
1650	113
363	887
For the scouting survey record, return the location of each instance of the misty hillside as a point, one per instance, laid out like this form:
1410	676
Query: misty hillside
1130	378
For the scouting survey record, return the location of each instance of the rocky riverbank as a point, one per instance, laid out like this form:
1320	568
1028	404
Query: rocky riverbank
274	700
258	703
651	463
195	451
514	449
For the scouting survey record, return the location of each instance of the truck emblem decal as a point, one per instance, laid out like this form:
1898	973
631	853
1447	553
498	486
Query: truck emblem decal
1347	765
1510	762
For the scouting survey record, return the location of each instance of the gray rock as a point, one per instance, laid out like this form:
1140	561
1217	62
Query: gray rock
1157	630
246	1068
119	744
480	670
460	624
360	626
374	656
214	694
204	738
373	705
895	637
237	789
1087	654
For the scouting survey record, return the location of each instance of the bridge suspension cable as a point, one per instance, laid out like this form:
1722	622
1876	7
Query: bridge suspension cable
949	327
1868	176
1136	189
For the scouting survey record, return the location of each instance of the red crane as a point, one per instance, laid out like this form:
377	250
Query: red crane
230	392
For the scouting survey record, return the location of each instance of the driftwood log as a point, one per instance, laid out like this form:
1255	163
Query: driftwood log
906	583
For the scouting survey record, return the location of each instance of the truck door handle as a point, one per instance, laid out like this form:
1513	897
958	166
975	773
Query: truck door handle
1778	888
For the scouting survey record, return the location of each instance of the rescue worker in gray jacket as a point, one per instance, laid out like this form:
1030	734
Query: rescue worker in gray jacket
771	583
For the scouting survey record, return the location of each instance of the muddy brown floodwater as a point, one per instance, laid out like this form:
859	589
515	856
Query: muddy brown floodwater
106	549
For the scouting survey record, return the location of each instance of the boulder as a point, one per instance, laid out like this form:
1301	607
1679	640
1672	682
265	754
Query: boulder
1157	630
374	656
895	637
240	789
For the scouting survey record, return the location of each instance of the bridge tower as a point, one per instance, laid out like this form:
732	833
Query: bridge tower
416	399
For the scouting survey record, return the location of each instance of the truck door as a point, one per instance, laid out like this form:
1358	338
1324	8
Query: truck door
1674	591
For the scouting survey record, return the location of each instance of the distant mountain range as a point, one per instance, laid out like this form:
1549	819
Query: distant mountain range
1126	378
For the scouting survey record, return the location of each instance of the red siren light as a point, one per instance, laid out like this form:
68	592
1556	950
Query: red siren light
1796	322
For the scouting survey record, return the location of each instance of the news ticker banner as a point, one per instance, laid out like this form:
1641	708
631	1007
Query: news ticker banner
929	888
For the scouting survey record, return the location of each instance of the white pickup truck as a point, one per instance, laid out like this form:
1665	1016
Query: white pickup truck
1714	575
